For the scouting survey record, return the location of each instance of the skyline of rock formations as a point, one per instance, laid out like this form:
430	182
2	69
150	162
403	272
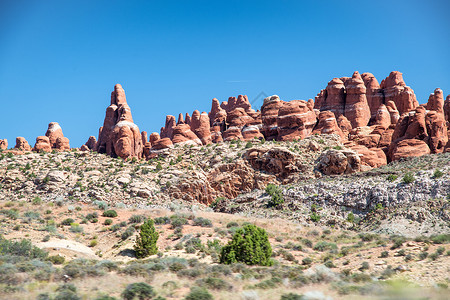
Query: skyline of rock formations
382	122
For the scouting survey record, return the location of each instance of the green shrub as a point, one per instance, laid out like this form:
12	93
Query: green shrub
408	178
423	255
138	290
392	177
384	254
203	222
199	293
314	217
127	233
162	220
351	217
56	259
23	248
307	261
438	173
67	222
440	238
324	246
12	213
108	222
291	296
37	200
248	145
214	283
110	213
276	195
146	240
250	245
136	219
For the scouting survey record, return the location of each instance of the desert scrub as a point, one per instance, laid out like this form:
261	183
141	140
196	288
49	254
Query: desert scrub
250	245
392	177
438	173
324	246
408	178
203	222
146	240
276	195
110	213
199	293
138	290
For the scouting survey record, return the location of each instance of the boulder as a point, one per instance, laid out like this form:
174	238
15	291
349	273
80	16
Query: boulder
164	143
62	144
42	144
371	157
54	131
232	133
327	124
22	144
154	137
182	133
251	132
338	162
92	143
296	120
356	110
408	148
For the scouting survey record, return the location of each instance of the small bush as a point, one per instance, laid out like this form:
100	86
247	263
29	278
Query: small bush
202	222
276	195
136	219
324	246
56	259
384	254
392	177
37	200
408	178
199	293
162	220
110	213
364	266
146	240
67	222
249	245
438	173
138	290
423	255
440	238
232	224
291	296
315	217
108	222
307	261
127	233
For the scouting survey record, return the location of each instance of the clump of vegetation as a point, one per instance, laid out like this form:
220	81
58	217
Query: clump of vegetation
276	195
408	178
138	290
392	177
203	222
250	245
110	213
199	293
438	173
146	240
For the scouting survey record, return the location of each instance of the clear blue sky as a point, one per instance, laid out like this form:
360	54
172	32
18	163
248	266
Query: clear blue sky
59	60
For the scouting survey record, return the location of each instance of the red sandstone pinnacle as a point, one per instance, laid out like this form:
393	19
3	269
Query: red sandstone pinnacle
447	109
356	109
91	143
251	132
383	117
269	114
3	144
42	144
374	93
436	101
62	144
345	125
295	120
335	100
22	144
144	137
54	131
395	89
119	135
200	125
393	112
320	99
327	124
154	137
180	119
167	130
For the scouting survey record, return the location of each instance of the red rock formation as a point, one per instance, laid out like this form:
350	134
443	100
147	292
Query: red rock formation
167	130
320	99
200	125
335	100
447	109
154	137
356	109
62	144
22	144
187	119
295	120
182	133
409	148
345	125
395	89
436	123
383	117
217	115
374	93
371	157
327	124
4	144
163	143
84	147
91	143
144	137
251	132
180	119
42	144
232	133
393	112
54	131
119	135
269	114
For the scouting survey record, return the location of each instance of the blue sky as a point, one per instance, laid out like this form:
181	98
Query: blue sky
59	60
